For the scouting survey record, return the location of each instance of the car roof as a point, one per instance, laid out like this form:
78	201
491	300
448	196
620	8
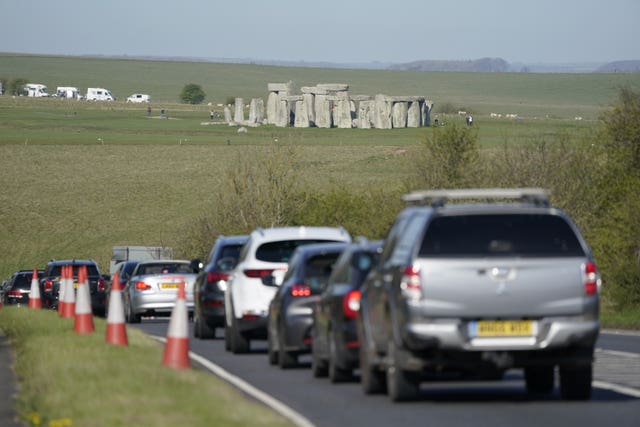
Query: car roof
164	261
300	232
233	240
320	248
72	261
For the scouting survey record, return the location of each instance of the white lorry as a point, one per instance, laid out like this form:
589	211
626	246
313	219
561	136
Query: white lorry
139	97
36	90
68	92
138	253
99	94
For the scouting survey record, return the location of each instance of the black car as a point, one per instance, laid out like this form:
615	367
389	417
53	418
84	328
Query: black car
18	287
50	283
335	344
290	311
211	284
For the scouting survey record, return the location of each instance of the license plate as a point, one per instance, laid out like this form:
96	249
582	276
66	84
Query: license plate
170	285
501	328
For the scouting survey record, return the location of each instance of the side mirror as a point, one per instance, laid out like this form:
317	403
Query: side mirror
274	279
195	265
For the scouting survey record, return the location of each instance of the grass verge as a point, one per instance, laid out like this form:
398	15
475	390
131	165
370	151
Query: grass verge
624	319
72	380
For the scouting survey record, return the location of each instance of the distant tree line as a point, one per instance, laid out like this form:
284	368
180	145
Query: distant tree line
13	86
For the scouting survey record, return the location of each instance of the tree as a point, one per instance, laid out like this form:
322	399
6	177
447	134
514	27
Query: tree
16	86
192	94
622	128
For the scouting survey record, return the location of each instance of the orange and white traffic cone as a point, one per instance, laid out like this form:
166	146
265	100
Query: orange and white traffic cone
34	294
62	287
83	323
116	329
69	309
176	350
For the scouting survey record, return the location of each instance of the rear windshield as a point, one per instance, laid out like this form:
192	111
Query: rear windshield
231	251
92	270
164	268
318	269
22	281
281	251
500	235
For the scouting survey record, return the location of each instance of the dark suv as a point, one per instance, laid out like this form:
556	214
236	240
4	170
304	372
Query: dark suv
478	288
18	288
211	283
50	283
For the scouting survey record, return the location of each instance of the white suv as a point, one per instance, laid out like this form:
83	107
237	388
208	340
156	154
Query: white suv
247	298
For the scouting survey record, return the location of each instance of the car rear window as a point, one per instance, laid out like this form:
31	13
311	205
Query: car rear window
22	281
318	269
92	270
500	235
281	251
231	251
164	268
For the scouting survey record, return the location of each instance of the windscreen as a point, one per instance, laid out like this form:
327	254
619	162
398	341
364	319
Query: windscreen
281	251
500	235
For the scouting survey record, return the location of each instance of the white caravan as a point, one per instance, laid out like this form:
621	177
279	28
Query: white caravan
99	94
139	97
68	92
36	90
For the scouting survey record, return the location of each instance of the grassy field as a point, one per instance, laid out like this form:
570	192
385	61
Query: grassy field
532	95
82	381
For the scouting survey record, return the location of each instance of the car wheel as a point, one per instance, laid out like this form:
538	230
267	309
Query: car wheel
271	352
286	359
196	327
239	343
372	380
336	373
401	385
318	365
205	331
575	382
539	379
130	316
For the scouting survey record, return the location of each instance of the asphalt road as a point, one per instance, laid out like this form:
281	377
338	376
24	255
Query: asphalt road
616	396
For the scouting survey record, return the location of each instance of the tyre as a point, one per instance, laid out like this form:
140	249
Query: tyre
205	331
239	344
575	382
402	385
372	380
318	366
131	317
196	328
286	359
336	373
539	379
272	354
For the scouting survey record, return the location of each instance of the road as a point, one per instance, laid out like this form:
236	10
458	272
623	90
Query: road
616	395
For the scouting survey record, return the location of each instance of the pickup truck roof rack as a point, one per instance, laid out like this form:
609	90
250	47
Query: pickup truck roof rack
436	198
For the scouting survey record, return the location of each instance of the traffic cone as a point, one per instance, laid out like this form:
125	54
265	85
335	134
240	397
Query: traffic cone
34	295
83	323
116	330
176	350
62	287
69	309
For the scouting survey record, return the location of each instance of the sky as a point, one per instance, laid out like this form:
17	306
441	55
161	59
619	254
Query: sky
338	31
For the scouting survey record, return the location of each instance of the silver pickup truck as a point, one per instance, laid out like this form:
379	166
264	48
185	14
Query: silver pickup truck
476	288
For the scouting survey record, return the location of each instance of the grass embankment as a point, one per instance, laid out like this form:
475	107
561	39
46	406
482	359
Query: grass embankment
67	379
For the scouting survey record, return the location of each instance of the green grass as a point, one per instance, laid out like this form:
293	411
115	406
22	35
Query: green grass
625	319
69	379
532	95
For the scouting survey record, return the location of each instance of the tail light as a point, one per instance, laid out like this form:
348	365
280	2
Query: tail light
48	285
300	290
217	277
592	278
102	286
15	293
142	286
410	285
351	304
257	274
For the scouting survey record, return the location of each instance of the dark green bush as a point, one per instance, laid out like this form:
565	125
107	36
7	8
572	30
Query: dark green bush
192	94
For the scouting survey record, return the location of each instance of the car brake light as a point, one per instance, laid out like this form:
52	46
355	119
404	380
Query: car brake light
141	286
410	285
257	274
351	304
216	276
300	290
48	285
102	286
591	278
15	293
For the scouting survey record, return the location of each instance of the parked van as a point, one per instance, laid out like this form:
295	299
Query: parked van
68	92
139	97
99	94
36	90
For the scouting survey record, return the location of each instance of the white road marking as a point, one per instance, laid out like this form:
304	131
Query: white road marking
617	388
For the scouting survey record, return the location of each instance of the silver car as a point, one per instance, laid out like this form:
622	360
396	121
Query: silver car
152	288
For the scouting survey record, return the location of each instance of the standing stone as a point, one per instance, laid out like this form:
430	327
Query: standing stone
414	118
309	101
272	107
301	119
382	112
426	108
282	114
366	114
323	107
256	110
227	114
399	115
342	111
238	117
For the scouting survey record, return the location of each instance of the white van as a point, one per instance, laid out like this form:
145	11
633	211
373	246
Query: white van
36	90
68	92
99	94
139	97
